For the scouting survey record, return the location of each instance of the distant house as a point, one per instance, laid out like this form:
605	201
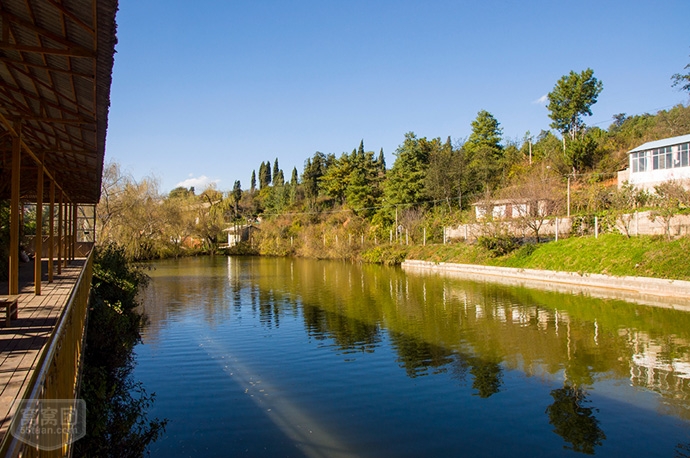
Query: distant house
508	208
656	162
240	233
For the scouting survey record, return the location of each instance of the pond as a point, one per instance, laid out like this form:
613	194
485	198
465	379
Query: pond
304	358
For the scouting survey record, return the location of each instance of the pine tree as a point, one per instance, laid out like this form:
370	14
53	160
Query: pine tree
381	161
252	185
236	194
275	170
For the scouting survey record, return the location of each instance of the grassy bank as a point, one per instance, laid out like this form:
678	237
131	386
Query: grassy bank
609	254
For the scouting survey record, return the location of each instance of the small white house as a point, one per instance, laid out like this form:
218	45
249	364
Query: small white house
241	233
656	162
508	208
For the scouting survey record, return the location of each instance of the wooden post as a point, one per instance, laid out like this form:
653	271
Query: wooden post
38	241
75	216
424	243
596	227
557	229
65	241
13	287
51	230
65	249
59	239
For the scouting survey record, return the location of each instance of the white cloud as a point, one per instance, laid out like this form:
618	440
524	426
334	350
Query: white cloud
541	100
199	183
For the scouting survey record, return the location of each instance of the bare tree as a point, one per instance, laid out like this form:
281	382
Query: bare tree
668	198
534	197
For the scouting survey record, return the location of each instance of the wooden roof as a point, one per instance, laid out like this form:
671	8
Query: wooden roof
56	60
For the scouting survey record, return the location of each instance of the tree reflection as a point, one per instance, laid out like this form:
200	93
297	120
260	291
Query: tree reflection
683	451
572	421
348	333
488	376
417	356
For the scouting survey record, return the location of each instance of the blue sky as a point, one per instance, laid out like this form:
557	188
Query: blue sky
205	91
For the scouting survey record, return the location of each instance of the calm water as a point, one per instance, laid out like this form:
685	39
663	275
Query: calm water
280	357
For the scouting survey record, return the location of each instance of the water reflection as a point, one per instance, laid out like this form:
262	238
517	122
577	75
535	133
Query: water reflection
573	421
476	332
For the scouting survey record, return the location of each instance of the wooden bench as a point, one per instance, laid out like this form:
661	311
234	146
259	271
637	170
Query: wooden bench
9	304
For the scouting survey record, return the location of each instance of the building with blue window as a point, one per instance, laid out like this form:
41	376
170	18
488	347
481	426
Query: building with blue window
656	162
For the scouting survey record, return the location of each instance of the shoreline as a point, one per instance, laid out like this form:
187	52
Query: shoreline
657	292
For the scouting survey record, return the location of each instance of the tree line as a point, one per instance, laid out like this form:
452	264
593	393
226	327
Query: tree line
432	181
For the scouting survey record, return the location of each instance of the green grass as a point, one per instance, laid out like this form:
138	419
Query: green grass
609	254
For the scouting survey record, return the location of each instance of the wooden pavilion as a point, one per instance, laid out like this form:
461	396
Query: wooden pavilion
56	60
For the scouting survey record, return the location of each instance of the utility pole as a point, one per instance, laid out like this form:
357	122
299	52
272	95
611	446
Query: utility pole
568	195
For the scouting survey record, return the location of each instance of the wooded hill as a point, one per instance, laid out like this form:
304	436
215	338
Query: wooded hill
338	205
431	184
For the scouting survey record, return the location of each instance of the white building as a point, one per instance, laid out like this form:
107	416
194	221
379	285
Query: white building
509	208
655	162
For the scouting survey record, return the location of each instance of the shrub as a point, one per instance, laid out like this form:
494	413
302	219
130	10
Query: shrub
499	244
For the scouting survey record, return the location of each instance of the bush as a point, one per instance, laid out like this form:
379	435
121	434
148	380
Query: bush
116	423
389	255
498	245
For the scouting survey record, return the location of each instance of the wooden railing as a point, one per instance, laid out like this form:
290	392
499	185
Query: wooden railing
58	368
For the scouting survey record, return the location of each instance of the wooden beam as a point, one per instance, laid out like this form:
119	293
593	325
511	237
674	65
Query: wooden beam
14	132
59	120
8	60
13	287
38	240
72	51
44	101
79	50
74	18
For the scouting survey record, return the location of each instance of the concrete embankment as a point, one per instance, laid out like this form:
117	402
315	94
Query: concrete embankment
652	291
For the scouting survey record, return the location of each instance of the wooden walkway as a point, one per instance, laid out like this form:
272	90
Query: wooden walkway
22	344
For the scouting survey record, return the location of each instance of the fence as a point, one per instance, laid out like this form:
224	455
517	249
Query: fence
638	223
57	372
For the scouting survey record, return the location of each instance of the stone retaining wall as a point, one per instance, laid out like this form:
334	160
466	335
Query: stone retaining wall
678	290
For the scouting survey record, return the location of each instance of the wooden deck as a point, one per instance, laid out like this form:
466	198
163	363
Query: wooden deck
22	344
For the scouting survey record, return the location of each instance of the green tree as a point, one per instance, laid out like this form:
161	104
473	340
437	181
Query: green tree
442	180
276	170
179	192
483	153
571	99
335	180
252	182
279	178
580	153
405	180
314	169
236	195
294	179
264	175
381	161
